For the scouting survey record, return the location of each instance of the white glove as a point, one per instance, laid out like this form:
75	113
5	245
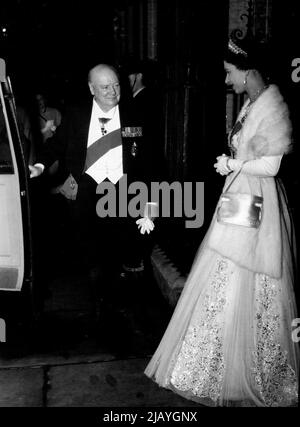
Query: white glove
264	166
222	165
36	170
145	224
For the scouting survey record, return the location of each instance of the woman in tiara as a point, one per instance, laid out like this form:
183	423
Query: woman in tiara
230	339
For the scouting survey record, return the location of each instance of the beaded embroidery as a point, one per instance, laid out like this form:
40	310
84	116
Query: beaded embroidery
199	366
275	378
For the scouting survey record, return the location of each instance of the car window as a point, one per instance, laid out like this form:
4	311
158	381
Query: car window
6	164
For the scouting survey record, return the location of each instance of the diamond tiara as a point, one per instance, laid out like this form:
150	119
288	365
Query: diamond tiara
235	49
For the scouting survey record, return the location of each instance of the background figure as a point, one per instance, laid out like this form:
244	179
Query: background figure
49	117
89	144
145	99
229	342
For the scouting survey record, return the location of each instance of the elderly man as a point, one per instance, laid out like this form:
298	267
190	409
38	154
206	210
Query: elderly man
89	144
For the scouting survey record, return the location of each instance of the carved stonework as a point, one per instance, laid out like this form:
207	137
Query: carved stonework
238	17
252	17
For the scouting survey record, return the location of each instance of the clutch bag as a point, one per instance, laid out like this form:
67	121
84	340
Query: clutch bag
240	209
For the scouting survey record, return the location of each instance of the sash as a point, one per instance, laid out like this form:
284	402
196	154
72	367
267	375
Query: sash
100	147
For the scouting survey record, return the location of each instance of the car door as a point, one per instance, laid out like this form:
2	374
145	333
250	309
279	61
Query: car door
15	228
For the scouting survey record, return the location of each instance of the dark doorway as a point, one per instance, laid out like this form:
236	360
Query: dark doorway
191	39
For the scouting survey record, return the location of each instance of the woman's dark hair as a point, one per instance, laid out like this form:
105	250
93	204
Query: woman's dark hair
249	55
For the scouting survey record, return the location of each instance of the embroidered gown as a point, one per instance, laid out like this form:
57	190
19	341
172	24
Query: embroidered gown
229	342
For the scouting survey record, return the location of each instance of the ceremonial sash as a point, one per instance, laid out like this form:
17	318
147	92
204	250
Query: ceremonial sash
100	147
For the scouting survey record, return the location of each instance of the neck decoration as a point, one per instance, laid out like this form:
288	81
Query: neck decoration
259	91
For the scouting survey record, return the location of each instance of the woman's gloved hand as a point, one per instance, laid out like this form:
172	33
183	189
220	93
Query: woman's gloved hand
222	166
226	164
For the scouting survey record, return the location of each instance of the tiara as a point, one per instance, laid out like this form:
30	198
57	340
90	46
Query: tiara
235	49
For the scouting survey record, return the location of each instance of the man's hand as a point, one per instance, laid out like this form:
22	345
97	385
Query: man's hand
35	171
145	224
49	126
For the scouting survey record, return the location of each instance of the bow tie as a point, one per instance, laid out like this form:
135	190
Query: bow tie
103	121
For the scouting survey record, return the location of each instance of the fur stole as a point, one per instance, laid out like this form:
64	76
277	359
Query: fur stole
267	128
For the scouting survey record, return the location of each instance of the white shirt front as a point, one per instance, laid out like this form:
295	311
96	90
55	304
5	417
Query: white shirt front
110	165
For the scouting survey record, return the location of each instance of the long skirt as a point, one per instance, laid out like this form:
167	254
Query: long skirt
230	341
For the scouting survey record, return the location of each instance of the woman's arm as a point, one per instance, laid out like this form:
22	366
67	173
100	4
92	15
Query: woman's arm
265	166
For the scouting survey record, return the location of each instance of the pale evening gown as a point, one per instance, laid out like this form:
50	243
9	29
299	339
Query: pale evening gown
229	342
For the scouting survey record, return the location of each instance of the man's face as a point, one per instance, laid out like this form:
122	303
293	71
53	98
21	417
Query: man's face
41	102
104	85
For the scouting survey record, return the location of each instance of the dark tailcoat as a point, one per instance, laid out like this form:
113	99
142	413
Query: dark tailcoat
97	239
69	146
148	112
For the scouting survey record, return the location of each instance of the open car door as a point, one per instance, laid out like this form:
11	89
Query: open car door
15	229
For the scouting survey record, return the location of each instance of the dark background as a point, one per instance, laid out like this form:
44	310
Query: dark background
52	44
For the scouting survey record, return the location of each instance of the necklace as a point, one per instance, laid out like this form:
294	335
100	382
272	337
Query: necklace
251	102
242	117
258	93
